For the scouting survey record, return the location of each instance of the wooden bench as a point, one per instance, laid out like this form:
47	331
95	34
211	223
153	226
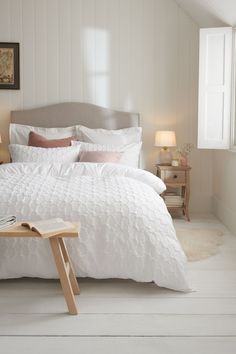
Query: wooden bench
62	260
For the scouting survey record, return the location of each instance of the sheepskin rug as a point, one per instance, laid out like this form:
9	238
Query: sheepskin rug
199	243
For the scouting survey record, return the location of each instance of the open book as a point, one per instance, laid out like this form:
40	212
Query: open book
50	227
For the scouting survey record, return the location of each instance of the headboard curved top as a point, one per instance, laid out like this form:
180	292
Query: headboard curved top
75	113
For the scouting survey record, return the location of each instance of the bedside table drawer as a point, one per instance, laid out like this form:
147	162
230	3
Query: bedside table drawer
174	177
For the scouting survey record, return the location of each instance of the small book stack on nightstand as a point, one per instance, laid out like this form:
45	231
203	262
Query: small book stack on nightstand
176	180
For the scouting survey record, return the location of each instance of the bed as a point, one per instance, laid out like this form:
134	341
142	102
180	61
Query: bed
126	230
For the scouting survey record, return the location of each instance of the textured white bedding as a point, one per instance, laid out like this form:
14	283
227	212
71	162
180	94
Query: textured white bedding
126	231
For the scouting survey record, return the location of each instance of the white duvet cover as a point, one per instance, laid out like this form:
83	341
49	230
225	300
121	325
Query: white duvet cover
126	230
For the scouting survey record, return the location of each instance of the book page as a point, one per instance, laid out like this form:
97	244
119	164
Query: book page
51	225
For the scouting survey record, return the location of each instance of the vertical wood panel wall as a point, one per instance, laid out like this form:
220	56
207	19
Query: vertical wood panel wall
139	55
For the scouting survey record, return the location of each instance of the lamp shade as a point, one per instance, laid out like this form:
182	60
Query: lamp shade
165	138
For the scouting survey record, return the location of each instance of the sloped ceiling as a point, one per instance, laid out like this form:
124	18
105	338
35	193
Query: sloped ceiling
210	13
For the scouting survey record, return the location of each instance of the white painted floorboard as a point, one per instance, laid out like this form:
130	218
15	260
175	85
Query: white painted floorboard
54	304
122	325
122	316
101	345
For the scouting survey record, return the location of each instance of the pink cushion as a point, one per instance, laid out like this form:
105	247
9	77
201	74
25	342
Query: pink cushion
99	156
37	140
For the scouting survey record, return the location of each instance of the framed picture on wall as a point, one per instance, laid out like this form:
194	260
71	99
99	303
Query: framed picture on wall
9	66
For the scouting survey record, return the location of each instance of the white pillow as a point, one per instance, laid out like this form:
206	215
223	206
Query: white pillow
22	153
130	156
19	133
112	137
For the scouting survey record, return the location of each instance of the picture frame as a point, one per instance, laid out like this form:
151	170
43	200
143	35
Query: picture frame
9	66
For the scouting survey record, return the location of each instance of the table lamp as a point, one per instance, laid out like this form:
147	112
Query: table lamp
165	139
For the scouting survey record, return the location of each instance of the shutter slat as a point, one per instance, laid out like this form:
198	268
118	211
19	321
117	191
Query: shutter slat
215	88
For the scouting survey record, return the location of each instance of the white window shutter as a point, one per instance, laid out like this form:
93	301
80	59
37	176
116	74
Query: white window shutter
214	107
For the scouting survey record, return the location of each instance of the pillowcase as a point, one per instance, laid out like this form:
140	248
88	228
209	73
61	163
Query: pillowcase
100	156
22	153
117	137
130	156
39	141
19	133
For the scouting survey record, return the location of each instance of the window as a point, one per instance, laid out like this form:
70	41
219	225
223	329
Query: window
97	65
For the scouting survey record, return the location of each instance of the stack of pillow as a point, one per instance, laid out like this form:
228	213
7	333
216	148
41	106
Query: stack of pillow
76	143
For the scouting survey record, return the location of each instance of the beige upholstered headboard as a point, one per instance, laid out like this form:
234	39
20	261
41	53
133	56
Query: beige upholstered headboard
72	113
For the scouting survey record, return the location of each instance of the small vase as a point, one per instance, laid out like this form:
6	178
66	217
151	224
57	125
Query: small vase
183	160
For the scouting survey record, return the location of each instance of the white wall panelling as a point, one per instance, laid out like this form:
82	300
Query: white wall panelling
139	55
52	49
76	57
41	51
29	54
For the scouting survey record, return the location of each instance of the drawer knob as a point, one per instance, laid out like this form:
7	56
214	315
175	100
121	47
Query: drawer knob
175	176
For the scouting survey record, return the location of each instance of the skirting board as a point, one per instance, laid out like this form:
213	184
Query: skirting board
224	213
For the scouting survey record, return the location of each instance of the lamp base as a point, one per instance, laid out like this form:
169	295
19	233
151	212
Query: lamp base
165	157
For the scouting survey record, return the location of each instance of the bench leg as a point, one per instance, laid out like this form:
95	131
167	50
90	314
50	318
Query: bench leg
73	280
64	276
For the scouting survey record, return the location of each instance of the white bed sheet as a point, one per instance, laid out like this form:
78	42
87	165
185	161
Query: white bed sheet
126	230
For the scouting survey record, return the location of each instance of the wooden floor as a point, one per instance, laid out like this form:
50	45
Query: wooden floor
125	317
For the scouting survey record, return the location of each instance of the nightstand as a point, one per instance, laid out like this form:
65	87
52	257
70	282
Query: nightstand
177	181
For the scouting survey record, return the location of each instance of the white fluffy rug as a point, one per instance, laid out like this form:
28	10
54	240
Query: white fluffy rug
199	243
